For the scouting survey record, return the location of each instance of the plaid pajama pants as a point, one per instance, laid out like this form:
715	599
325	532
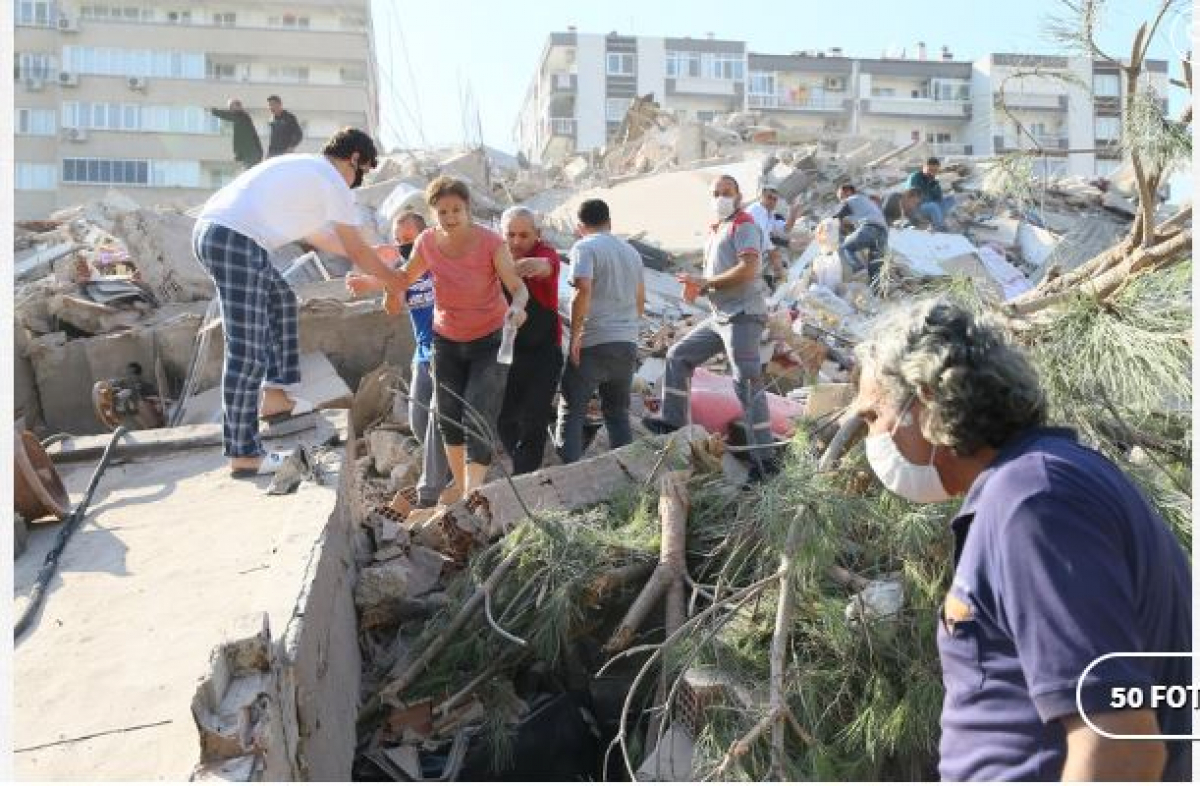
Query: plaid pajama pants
261	327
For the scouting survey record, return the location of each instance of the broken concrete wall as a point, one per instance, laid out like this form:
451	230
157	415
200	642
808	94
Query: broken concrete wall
320	649
355	338
25	394
281	703
160	244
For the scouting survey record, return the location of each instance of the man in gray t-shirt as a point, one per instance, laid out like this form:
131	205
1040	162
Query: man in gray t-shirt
737	295
870	229
606	273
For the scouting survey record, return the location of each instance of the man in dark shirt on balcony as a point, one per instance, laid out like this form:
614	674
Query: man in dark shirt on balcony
286	133
247	149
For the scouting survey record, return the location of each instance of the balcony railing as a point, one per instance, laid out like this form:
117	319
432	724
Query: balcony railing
1048	142
926	107
812	103
1019	100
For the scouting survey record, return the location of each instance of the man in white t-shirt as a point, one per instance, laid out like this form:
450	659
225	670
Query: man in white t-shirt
772	226
282	200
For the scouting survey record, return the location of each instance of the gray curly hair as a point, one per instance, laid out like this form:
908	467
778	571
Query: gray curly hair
978	389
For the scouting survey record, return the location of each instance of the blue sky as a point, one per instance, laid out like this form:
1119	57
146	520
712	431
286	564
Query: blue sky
481	54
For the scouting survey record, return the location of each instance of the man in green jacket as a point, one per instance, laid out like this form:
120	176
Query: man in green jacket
247	149
933	205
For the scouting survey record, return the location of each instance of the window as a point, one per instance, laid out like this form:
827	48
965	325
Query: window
115	171
950	90
353	75
179	17
227	19
1108	128
221	71
35	122
883	92
762	83
705	116
126	13
683	64
175	174
1106	85
132	117
620	64
937	138
289	20
34	177
723	65
615	109
37	13
34	65
220	175
104	61
288	73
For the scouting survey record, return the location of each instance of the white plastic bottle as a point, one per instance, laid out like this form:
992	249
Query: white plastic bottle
505	355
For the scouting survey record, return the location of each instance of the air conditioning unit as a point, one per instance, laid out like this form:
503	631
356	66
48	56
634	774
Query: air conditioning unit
32	83
75	134
137	82
67	24
68	79
835	84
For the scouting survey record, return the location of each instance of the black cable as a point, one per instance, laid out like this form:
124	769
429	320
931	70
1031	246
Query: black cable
38	594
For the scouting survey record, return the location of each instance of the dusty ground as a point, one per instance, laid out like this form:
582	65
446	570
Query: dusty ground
104	681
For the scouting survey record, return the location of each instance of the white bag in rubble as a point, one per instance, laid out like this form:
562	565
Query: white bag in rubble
827	270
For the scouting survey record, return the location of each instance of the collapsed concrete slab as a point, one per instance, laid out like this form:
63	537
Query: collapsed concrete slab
160	244
141	599
672	210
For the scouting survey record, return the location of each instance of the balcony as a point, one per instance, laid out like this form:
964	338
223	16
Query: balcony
918	107
810	104
1050	143
1018	100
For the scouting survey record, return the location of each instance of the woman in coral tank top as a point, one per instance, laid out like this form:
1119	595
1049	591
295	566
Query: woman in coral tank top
469	263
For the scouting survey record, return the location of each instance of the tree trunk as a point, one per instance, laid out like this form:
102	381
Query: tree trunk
1101	286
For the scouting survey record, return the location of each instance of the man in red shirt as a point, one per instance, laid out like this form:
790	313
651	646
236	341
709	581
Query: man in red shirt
537	359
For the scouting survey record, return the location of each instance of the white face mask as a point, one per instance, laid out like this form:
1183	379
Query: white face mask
723	207
915	482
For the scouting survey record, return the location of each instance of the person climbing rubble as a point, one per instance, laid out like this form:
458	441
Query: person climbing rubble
280	201
737	295
469	263
609	300
934	206
1059	560
537	358
870	232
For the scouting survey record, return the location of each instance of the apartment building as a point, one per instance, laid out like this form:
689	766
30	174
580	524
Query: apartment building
1069	108
117	93
1066	110
893	99
585	82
